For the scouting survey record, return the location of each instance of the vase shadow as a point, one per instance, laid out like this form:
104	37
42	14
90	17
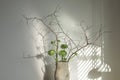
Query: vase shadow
49	67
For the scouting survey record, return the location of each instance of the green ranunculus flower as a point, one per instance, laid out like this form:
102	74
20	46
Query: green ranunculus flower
62	53
51	52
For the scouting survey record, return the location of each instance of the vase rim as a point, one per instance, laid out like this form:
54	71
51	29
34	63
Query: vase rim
63	61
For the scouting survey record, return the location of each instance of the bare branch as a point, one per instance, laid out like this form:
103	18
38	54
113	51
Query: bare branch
73	46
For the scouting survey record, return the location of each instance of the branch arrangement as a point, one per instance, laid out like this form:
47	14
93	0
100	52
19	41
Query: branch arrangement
63	47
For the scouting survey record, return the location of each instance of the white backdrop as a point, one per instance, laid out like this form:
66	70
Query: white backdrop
15	37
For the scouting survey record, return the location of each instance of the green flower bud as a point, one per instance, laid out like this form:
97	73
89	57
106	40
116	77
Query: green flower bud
52	42
64	46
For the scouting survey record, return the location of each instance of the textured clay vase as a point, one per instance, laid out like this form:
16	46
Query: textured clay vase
62	71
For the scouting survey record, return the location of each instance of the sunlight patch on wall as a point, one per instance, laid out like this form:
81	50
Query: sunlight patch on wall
89	64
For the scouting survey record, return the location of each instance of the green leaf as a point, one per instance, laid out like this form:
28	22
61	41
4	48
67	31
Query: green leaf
64	46
52	42
58	40
75	53
62	53
51	52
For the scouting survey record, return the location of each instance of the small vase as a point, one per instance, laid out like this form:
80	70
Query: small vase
62	71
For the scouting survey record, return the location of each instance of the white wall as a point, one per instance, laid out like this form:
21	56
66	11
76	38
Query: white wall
15	37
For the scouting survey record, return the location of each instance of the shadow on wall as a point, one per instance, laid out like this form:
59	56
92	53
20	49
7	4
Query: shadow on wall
49	67
49	73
